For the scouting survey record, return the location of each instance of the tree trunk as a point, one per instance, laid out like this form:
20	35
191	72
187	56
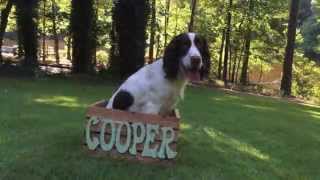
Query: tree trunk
221	54
261	72
158	46
286	81
44	24
237	69
230	63
4	21
228	31
114	57
54	29
27	14
152	30
130	18
69	47
193	11
166	22
19	38
234	66
82	28
244	72
176	22
239	62
95	30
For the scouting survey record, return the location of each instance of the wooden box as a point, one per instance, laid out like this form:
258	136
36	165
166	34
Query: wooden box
133	136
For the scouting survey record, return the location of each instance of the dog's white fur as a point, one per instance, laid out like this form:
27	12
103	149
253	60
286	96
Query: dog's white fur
153	93
193	51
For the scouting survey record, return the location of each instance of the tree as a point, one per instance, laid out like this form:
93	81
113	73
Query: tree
244	71
166	21
233	74
193	12
152	30
221	54
82	14
27	14
286	81
227	45
44	25
54	8
114	57
3	24
129	36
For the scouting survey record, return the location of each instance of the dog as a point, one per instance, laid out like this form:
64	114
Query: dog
157	88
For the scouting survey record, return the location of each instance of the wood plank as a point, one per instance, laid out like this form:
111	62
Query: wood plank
103	104
138	158
133	117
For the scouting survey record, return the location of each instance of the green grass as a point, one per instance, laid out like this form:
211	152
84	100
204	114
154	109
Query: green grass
223	136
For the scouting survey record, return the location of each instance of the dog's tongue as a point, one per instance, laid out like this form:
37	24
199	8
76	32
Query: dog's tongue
193	76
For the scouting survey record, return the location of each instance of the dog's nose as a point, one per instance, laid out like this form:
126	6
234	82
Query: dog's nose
195	61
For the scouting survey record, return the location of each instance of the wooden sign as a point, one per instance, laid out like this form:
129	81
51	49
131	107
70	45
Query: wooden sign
134	136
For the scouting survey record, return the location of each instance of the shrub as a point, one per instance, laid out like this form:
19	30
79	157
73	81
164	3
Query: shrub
306	78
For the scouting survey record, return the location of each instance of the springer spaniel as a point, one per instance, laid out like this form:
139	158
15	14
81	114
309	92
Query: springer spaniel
157	87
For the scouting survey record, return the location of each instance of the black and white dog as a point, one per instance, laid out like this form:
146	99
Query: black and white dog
157	87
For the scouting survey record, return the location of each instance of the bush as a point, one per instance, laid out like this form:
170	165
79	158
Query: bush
102	57
306	78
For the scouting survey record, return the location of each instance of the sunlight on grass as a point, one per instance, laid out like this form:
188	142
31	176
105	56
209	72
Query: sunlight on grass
314	114
236	144
185	126
217	99
311	105
64	101
263	108
229	97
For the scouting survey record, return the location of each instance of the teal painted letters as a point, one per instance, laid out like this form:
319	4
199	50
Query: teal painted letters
136	138
107	146
152	130
165	149
92	144
122	148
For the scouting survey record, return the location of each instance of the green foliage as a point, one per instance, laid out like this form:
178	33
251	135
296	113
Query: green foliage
306	81
311	40
102	57
268	26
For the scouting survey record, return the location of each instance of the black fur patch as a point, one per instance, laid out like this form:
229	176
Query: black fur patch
123	100
173	53
203	47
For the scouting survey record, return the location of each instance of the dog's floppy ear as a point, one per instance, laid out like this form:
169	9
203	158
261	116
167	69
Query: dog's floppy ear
171	59
205	53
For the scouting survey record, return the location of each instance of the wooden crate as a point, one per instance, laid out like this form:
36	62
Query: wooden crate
133	136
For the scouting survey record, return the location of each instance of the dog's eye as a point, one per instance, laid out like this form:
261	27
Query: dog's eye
185	45
197	43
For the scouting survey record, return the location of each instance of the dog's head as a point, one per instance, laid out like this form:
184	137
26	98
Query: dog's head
187	54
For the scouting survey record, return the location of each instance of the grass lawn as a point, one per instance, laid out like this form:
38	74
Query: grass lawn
223	136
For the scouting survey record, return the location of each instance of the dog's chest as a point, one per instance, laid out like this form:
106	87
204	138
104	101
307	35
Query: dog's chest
165	95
